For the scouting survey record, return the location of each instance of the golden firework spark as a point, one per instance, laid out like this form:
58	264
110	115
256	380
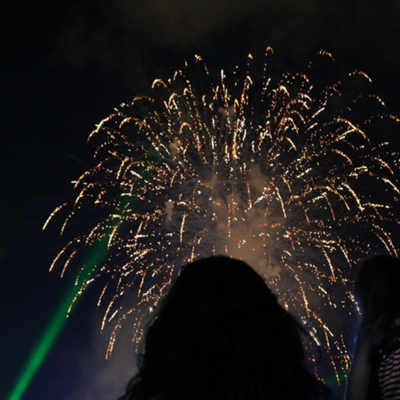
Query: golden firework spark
277	173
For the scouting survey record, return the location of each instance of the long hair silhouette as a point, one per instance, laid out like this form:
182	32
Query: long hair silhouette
221	335
378	293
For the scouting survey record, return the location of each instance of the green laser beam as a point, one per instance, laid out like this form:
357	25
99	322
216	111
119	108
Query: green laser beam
98	251
54	328
40	352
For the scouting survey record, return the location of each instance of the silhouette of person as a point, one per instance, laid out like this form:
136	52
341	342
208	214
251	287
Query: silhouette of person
375	370
221	335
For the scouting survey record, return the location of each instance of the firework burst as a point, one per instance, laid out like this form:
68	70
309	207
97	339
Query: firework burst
276	172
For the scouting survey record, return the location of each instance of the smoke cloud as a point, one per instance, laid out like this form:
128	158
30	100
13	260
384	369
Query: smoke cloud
103	379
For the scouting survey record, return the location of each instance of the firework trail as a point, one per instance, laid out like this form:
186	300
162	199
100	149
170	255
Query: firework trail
277	172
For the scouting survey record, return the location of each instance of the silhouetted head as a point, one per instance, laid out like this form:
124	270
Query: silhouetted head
221	334
378	293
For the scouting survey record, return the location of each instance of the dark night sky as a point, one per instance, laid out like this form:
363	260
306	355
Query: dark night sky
64	66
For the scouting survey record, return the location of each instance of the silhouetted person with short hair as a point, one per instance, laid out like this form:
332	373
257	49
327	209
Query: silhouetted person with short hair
375	371
221	335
